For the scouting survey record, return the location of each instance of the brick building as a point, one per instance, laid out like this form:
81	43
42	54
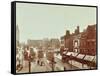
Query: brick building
80	47
88	40
81	42
70	42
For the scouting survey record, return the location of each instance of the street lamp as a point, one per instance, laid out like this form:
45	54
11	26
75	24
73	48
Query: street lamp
29	59
71	60
29	66
52	64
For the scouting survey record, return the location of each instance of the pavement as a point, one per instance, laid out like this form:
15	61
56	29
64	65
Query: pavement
58	66
35	67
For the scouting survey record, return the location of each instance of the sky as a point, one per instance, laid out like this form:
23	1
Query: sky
38	21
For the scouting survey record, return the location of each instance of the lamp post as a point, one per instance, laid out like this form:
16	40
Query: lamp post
53	64
29	66
29	59
71	60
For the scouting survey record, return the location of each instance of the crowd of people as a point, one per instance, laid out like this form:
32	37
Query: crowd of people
27	54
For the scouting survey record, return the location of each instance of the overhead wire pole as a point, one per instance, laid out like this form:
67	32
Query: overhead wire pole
52	64
29	66
29	59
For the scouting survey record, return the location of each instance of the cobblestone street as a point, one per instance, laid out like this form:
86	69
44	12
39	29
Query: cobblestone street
58	66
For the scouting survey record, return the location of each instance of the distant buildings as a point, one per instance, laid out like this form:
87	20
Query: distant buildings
55	43
34	43
45	43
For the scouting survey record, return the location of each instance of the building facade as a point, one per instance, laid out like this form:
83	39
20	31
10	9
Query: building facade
34	43
80	42
88	40
80	47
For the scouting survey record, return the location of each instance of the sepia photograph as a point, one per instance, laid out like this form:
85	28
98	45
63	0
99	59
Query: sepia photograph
55	37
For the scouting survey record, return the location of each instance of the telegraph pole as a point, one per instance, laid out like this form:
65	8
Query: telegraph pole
29	66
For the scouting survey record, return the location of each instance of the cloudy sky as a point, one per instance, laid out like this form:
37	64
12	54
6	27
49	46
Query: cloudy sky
38	21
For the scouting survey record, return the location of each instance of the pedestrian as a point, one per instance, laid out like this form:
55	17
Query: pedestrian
64	68
21	58
38	61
